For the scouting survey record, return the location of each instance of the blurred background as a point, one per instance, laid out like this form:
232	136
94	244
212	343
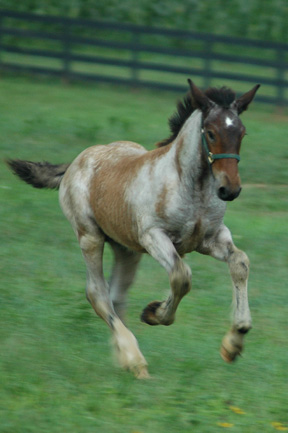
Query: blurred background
150	44
254	19
78	73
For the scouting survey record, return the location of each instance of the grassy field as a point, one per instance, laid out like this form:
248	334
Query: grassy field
56	370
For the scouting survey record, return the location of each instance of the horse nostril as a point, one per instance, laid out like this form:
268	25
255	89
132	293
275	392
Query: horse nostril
223	193
226	194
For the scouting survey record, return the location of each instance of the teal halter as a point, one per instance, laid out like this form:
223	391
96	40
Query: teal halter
211	156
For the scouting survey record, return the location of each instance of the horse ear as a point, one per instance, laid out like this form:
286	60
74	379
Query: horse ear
199	98
243	102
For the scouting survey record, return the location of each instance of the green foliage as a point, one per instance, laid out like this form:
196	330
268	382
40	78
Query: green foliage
256	19
56	371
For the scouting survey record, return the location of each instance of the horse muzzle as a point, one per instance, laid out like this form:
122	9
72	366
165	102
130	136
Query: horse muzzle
227	193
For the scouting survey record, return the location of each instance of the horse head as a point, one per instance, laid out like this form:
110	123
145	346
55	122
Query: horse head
222	133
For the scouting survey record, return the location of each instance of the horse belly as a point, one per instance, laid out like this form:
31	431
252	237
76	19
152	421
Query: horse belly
113	217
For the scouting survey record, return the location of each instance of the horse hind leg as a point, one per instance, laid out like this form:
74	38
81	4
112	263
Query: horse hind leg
97	292
122	276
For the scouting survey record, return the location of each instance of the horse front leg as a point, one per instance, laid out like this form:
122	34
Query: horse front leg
232	344
159	246
238	262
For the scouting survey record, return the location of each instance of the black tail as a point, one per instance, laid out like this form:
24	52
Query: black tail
38	174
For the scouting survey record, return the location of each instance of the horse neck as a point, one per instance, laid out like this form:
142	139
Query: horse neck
188	149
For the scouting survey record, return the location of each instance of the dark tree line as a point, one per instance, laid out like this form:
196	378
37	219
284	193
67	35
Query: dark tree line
262	19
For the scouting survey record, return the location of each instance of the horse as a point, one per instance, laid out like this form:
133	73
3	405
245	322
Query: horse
166	202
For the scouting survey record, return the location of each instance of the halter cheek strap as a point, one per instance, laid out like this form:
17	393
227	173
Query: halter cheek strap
211	156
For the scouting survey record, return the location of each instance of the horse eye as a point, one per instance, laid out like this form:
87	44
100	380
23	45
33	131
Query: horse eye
211	135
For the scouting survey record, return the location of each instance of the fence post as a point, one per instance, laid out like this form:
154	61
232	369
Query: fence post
280	77
1	23
135	57
207	63
66	50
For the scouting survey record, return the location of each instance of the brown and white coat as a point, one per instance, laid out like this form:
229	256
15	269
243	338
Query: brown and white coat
166	202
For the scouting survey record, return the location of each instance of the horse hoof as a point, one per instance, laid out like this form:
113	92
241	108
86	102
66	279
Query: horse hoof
228	356
149	313
154	314
232	346
141	374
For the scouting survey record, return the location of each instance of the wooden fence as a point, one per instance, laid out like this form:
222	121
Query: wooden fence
141	56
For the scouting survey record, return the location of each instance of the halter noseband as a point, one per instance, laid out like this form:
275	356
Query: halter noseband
211	156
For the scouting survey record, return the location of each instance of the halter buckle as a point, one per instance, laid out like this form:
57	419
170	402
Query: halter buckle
210	158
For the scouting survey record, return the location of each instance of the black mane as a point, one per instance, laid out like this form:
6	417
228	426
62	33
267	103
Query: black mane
222	97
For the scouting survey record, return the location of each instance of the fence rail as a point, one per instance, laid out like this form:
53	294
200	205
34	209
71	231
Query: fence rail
139	55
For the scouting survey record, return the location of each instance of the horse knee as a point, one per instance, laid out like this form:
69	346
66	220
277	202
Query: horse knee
180	278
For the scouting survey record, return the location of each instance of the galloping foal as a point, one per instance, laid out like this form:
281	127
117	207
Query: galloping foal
165	202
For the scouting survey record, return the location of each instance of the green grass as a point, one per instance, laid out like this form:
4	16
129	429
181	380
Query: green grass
56	370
